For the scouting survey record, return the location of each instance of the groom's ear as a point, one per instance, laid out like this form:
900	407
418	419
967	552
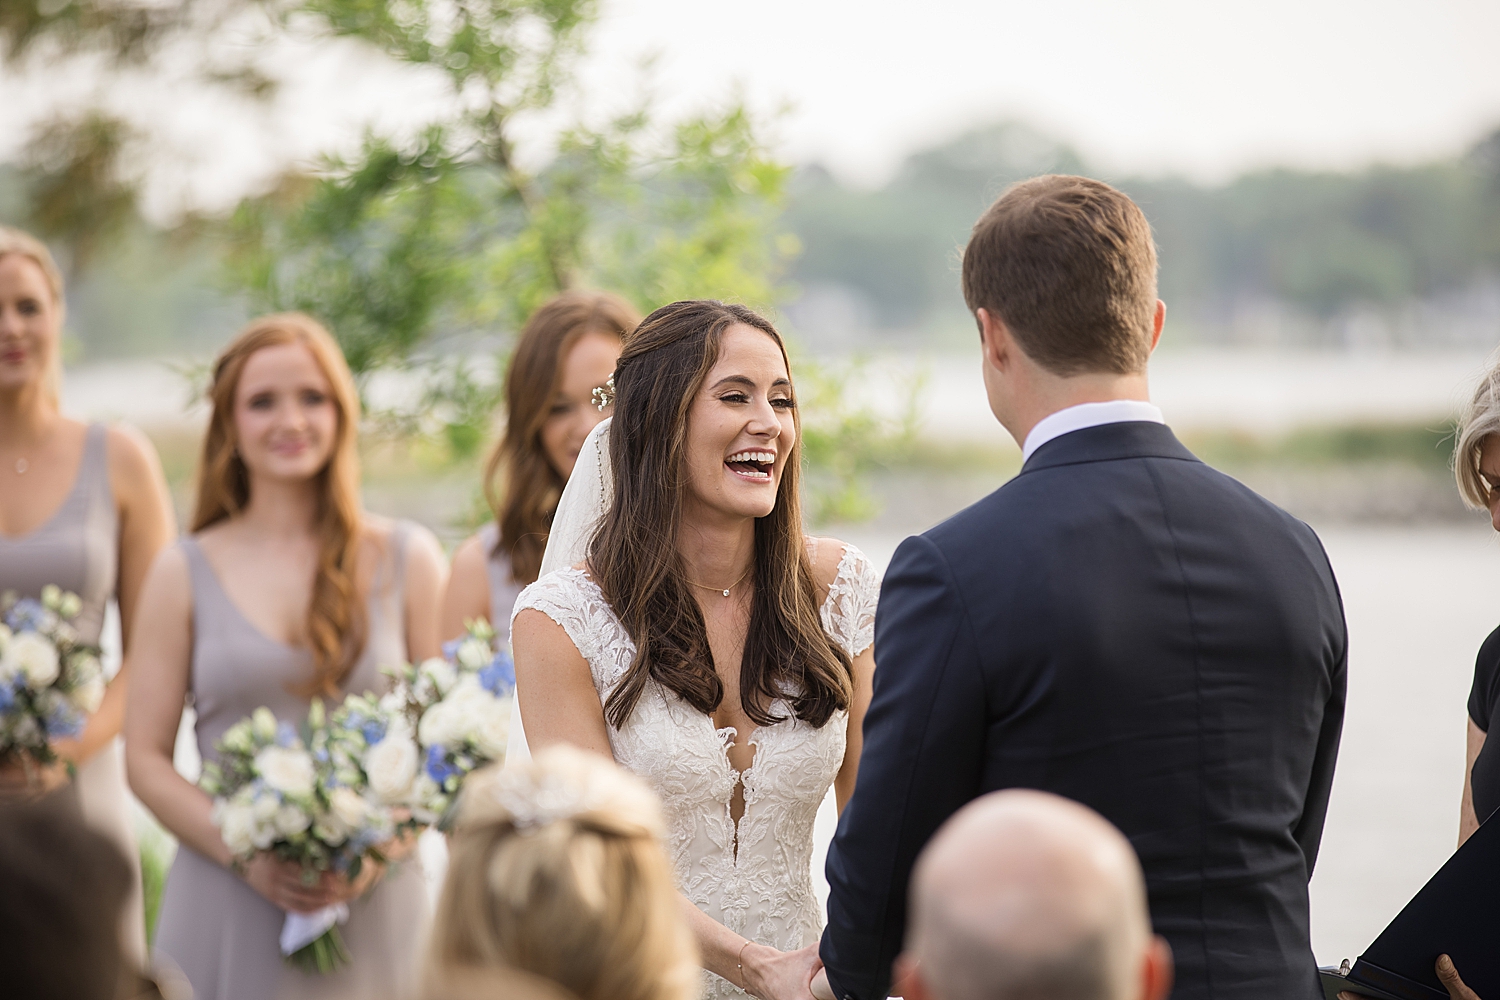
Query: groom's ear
994	339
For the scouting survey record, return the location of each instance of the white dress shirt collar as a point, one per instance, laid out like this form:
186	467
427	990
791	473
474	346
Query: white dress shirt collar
1076	418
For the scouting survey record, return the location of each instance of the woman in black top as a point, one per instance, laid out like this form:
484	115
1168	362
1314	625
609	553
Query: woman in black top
1476	463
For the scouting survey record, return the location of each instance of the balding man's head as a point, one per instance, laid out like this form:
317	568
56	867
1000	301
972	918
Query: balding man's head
1027	896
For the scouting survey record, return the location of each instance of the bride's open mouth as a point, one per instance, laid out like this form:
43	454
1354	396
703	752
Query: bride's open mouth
753	465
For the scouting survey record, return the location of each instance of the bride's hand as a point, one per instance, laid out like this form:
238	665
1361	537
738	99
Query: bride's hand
780	975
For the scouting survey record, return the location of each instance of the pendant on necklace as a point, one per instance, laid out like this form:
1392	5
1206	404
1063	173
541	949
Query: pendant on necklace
726	593
21	466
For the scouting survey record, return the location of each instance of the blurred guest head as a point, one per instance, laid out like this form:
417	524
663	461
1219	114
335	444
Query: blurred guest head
31	315
1024	895
62	892
556	868
706	434
286	415
490	983
1476	455
567	350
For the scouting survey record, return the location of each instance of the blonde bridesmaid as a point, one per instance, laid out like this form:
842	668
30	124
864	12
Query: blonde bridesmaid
82	506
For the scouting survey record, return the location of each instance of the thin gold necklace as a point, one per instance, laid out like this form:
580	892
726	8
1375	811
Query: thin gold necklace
723	590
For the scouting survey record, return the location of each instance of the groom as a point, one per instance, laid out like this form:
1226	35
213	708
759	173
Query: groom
1119	624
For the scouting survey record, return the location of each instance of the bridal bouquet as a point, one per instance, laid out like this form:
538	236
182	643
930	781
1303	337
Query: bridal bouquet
459	707
326	797
50	682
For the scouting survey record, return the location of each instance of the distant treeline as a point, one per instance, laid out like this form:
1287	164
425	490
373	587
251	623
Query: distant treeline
1384	255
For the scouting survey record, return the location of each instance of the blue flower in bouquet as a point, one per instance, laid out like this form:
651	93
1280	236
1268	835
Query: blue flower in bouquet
450	650
286	734
27	615
499	678
373	730
64	720
439	767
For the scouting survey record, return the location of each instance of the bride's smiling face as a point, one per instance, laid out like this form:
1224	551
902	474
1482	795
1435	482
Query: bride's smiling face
741	427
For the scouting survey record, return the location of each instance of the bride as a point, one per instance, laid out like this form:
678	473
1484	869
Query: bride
702	640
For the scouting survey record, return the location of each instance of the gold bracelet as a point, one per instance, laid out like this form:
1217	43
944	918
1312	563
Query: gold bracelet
739	963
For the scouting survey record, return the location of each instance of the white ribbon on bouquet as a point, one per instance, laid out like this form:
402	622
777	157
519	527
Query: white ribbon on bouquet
302	929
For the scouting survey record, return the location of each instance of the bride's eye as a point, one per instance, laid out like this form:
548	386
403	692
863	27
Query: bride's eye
734	397
784	403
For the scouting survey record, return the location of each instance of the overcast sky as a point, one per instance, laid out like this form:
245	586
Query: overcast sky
1202	88
1205	88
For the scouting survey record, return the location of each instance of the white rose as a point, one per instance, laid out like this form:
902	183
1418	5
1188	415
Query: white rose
34	658
89	694
440	672
493	731
288	771
392	766
263	809
290	820
5	634
441	725
236	826
348	807
393	703
474	653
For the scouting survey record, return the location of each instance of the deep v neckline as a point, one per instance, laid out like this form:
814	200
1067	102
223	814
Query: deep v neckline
213	576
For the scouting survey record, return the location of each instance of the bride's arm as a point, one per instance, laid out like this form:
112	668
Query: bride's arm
559	704
554	687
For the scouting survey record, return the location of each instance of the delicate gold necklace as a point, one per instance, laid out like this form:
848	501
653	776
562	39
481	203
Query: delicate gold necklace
723	590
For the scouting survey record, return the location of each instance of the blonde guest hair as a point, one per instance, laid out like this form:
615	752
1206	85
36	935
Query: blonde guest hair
23	244
335	615
1480	419
556	868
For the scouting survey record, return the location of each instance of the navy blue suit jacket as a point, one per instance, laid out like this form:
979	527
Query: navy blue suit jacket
1124	626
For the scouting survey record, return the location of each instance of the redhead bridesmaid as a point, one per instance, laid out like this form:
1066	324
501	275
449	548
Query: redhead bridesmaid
285	590
82	506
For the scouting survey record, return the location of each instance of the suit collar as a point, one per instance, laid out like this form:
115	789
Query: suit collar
1106	442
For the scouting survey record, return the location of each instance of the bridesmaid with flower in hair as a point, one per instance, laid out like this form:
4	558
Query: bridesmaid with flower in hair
286	590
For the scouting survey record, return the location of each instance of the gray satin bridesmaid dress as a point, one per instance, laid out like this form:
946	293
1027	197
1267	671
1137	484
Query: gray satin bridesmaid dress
221	933
78	549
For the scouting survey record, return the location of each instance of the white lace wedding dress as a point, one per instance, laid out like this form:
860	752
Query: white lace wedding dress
765	891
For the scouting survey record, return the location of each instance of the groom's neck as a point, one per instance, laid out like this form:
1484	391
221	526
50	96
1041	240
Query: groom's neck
1042	393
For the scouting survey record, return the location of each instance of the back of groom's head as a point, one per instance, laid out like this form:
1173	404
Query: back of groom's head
1024	895
1067	263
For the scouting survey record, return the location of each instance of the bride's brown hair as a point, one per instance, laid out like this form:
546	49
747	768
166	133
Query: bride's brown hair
633	554
335	615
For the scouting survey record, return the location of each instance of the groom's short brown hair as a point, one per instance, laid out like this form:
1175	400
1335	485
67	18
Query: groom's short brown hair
1067	263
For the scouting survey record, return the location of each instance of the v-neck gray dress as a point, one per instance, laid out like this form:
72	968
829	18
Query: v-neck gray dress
78	549
221	933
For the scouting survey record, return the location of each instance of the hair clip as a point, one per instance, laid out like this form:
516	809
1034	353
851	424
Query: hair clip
605	394
537	800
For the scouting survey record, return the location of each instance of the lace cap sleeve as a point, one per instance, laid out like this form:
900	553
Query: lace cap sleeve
849	611
571	599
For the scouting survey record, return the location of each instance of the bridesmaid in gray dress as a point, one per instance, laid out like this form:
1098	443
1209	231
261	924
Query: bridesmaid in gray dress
83	507
285	590
567	350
